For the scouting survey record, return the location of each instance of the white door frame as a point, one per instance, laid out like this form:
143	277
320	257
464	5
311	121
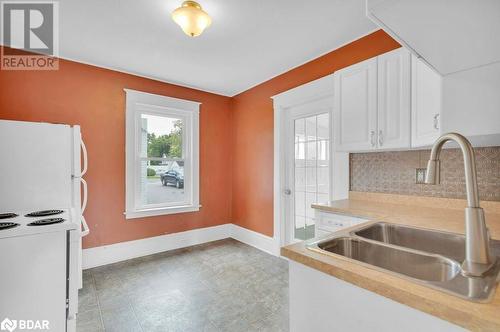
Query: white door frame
339	162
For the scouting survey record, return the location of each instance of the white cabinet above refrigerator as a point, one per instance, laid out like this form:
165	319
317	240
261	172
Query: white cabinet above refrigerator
451	36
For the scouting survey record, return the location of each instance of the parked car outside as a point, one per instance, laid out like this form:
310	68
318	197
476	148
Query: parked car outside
173	177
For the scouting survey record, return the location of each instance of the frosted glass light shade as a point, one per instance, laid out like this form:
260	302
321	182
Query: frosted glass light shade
191	18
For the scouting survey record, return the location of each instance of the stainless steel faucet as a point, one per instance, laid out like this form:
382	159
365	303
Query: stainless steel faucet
477	241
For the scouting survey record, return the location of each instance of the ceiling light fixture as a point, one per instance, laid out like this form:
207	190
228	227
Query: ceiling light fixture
191	18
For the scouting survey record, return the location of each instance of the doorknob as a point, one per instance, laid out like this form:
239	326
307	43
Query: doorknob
287	192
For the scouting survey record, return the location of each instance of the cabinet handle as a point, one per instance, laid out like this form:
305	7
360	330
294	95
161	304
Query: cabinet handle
436	121
380	138
372	138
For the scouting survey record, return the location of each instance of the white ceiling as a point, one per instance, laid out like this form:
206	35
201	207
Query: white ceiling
249	42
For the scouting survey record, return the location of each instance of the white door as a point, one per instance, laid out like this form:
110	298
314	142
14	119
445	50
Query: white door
308	176
355	112
426	103
393	99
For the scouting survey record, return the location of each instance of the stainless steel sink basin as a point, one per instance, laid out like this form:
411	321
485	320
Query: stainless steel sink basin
428	257
412	264
446	244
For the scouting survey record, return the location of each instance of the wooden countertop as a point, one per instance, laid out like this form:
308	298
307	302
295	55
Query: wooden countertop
414	211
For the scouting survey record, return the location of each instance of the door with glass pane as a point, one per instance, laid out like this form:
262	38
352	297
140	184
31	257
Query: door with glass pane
308	166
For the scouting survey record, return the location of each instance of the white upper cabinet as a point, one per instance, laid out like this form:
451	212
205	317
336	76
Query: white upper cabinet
397	101
394	99
426	92
456	71
372	104
355	112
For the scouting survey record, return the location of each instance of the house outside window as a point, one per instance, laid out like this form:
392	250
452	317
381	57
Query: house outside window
162	155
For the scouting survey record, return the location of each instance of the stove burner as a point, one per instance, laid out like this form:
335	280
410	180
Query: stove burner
44	213
43	222
7	225
7	215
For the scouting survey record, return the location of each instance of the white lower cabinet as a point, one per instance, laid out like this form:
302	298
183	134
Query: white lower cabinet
326	222
322	303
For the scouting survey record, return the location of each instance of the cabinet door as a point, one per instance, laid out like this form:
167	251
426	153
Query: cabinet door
426	104
394	99
355	112
332	222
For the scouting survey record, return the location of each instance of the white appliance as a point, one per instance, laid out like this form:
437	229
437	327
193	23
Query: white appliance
41	170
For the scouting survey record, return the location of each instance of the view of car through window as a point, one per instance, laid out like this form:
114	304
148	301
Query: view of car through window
162	164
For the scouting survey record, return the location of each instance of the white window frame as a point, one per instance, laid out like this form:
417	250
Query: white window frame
138	103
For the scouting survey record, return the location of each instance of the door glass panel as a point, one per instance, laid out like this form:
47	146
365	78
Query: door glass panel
300	179
310	199
323	180
300	204
323	152
300	130
311	171
311	128
311	153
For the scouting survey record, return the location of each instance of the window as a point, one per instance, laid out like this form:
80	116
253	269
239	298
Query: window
162	155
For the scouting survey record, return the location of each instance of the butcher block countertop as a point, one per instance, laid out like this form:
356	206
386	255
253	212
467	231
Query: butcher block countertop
434	213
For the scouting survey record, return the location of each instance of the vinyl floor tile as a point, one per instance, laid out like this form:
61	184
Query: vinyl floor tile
219	286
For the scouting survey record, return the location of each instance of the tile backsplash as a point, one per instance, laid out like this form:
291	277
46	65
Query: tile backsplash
394	173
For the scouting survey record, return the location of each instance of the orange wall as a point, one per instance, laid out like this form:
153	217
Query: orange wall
94	98
253	129
236	138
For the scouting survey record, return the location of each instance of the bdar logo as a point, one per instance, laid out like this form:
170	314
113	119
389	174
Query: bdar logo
8	325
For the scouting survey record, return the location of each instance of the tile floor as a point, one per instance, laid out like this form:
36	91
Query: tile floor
219	286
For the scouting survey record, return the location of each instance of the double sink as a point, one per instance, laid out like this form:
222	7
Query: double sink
428	257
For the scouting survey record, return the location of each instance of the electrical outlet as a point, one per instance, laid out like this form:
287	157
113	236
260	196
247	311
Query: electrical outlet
420	175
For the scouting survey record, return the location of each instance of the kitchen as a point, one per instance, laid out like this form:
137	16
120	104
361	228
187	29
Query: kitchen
198	182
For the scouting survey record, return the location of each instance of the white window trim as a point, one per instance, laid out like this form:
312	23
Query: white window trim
137	103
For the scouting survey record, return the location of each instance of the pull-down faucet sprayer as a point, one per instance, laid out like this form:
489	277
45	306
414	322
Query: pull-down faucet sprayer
477	241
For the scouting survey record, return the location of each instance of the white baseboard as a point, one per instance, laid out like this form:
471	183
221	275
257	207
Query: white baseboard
117	252
254	239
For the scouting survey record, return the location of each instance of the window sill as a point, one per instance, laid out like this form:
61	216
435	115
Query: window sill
161	211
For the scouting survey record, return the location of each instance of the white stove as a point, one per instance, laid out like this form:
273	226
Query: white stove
22	223
41	246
